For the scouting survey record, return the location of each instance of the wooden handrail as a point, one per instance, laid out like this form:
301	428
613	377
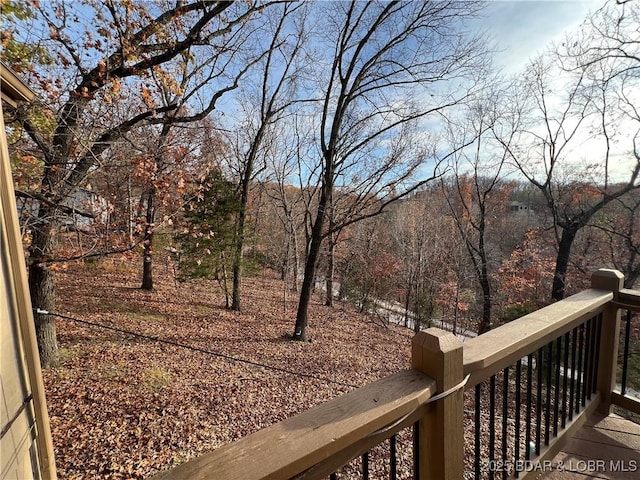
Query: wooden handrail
629	299
486	354
297	444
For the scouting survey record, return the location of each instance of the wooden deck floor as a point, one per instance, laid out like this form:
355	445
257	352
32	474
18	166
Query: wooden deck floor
605	447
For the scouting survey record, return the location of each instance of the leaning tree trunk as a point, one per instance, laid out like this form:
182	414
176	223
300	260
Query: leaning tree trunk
147	257
562	263
306	290
42	291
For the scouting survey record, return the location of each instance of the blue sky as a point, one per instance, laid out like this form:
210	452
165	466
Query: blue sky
523	28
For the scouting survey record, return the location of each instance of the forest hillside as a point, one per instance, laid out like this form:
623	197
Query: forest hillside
127	407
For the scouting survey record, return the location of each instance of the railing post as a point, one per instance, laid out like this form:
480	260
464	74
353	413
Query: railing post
612	280
440	455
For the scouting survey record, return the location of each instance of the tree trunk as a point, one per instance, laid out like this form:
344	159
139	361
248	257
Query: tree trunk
42	292
485	284
407	304
310	269
129	210
238	258
284	269
224	283
562	263
296	260
330	274
631	277
455	308
147	256
485	323
42	286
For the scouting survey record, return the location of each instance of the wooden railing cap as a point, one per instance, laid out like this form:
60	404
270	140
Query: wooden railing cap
438	353
437	339
607	279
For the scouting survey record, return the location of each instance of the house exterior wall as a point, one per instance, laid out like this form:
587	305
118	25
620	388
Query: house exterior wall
16	415
26	449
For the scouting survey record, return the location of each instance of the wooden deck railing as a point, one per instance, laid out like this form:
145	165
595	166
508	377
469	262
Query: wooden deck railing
531	410
529	385
628	301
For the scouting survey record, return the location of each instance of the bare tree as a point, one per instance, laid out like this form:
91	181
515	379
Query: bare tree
477	193
266	100
609	35
287	187
585	93
423	239
386	73
620	228
104	55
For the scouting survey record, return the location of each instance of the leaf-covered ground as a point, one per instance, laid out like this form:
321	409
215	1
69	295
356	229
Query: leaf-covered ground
125	407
